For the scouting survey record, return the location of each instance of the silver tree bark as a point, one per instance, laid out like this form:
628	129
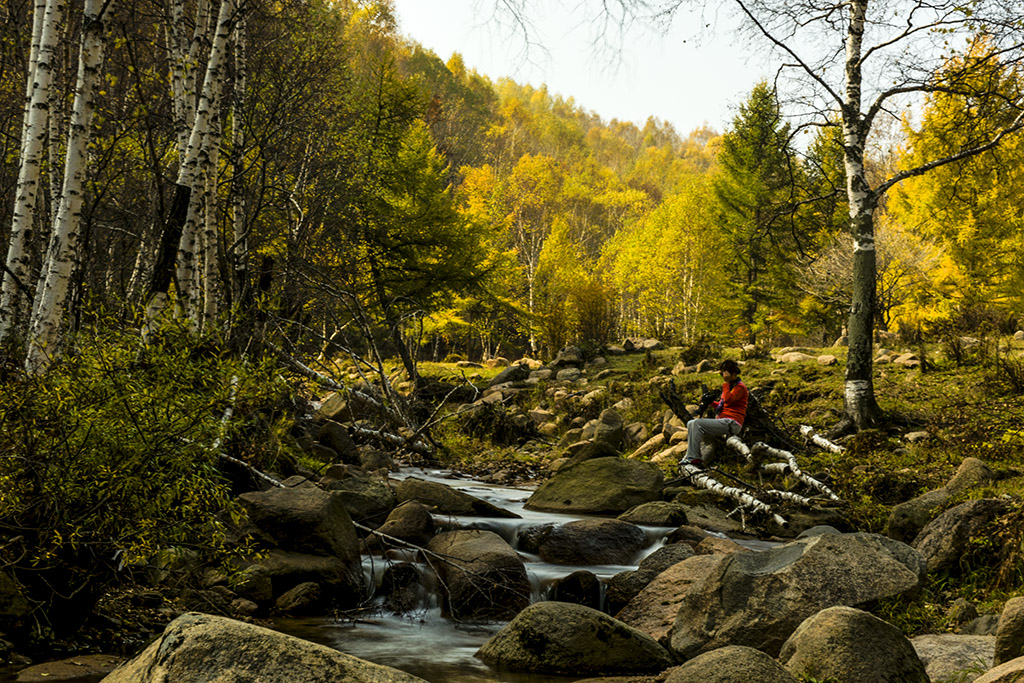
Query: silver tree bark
16	295
62	253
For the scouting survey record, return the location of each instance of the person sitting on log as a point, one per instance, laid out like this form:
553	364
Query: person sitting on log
730	411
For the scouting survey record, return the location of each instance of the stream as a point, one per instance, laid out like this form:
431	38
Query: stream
440	650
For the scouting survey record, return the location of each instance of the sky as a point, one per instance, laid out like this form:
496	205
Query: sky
696	73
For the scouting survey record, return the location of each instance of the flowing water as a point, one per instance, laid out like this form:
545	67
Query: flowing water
440	650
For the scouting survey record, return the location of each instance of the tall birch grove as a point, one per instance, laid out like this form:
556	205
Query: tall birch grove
182	238
63	251
16	296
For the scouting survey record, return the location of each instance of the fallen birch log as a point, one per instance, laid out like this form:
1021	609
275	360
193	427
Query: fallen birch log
820	441
794	468
701	478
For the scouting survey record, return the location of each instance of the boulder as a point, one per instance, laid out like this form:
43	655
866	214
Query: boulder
1010	634
570	355
444	499
304	520
200	648
581	587
731	664
561	638
759	599
599	486
303	600
482	576
908	518
851	645
340	582
649	447
971	474
624	586
654	609
945	540
656	513
794	357
950	656
827	360
335	436
568	374
588	450
610	428
1018	335
593	541
367	499
513	373
410	522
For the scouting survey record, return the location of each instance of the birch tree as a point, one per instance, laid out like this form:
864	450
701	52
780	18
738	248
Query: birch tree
866	59
176	254
62	253
16	294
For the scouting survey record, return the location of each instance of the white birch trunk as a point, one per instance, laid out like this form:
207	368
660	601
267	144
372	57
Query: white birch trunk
240	245
197	156
15	295
211	243
859	404
62	253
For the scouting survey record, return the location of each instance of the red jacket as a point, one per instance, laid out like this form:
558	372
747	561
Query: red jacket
733	404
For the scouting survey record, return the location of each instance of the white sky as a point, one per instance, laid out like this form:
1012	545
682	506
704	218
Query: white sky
683	77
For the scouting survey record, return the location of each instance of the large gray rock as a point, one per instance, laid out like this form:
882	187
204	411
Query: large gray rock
908	518
655	608
410	522
600	486
731	664
513	373
304	520
1010	634
561	638
954	657
851	645
610	429
624	586
759	599
339	581
444	499
336	437
200	648
945	541
593	541
971	474
482	576
656	513
367	499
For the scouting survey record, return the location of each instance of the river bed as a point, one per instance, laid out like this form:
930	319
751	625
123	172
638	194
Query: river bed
438	649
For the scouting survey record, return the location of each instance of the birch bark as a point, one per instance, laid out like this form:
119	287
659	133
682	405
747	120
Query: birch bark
54	283
859	396
180	229
15	294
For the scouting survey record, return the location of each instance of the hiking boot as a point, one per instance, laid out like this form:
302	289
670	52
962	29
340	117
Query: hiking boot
696	462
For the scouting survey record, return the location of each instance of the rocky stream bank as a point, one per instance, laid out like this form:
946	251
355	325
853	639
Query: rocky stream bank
604	570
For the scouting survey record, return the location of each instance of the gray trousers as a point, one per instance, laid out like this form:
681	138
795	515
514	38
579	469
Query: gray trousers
697	429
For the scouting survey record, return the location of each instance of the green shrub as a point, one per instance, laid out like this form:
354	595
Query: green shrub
113	455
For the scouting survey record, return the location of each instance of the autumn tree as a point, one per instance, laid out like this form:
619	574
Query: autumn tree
864	59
